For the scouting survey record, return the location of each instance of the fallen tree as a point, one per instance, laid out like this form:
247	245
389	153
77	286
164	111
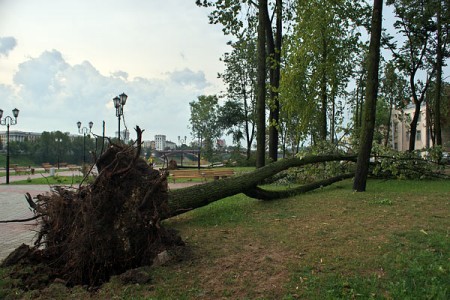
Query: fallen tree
104	228
196	196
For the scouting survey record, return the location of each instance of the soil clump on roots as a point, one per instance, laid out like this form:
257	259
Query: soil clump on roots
90	233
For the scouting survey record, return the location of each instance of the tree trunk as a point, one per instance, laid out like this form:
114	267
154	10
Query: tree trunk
365	146
186	199
274	50
249	134
323	96
333	118
262	194
261	87
388	124
437	101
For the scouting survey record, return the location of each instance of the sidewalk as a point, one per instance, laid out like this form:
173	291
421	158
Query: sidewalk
14	206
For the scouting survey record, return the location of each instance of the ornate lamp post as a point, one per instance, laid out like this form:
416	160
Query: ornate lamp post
8	121
181	141
84	131
119	103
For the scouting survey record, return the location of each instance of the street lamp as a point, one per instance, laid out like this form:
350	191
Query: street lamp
181	142
8	121
58	142
84	131
119	103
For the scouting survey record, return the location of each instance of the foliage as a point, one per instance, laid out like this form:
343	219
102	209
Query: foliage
204	122
230	118
319	171
320	57
240	78
53	147
238	159
406	165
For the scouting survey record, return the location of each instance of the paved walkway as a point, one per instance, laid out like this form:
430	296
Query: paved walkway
14	206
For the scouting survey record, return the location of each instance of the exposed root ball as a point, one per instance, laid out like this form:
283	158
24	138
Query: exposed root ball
102	229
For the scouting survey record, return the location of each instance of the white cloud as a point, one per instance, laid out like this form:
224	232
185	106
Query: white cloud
6	45
187	77
163	54
51	89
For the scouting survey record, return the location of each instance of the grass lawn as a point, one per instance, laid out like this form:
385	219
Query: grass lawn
391	242
51	180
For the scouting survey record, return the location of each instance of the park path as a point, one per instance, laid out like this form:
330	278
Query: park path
14	206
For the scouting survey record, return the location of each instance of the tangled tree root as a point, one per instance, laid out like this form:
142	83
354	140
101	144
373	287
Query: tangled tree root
105	228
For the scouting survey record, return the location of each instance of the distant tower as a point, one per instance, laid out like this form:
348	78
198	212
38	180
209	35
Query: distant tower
160	142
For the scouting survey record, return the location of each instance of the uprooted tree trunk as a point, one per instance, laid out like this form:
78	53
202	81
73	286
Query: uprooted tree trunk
107	227
196	196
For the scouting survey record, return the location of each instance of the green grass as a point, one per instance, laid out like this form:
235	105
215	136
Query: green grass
415	266
391	242
51	180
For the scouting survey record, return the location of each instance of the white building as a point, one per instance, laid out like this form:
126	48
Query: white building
19	136
400	131
124	135
160	142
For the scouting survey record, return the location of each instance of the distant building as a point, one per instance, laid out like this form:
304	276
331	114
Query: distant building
124	135
148	144
400	130
160	142
19	136
170	146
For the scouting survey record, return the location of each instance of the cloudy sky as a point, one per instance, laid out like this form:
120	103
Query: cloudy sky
62	61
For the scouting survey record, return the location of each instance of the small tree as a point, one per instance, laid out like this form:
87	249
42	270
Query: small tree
204	122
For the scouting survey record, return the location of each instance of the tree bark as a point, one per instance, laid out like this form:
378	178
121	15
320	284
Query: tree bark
186	199
368	126
323	95
261	87
274	46
439	59
262	194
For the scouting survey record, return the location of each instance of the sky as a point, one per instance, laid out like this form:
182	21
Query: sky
63	61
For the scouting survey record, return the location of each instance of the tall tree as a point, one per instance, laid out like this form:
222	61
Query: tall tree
320	56
394	89
261	86
368	125
229	13
274	45
442	36
239	77
414	55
